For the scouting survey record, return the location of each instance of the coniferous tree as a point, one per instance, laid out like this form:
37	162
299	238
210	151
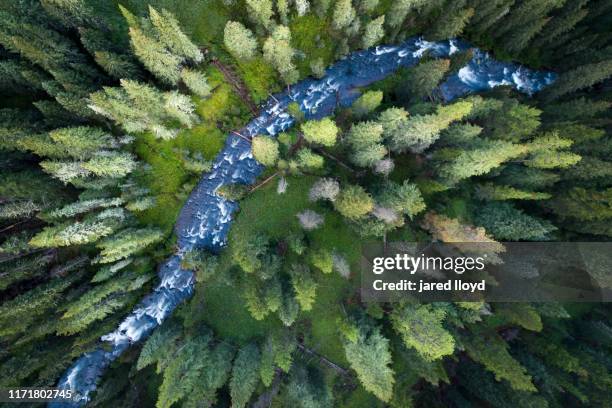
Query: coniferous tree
239	40
277	51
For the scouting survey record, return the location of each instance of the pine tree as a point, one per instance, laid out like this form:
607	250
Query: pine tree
261	12
323	132
505	222
155	57
196	82
421	327
579	78
170	34
239	41
424	78
126	243
368	354
277	51
584	204
420	131
399	10
304	285
245	375
344	14
374	32
404	198
499	192
481	159
365	139
451	24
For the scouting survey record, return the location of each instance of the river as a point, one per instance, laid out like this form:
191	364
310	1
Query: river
205	219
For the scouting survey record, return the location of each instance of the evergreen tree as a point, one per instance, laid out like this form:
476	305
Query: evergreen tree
424	78
304	285
344	14
374	32
245	375
260	11
399	10
420	131
196	82
505	222
239	40
451	23
421	327
365	139
368	354
579	78
126	243
277	51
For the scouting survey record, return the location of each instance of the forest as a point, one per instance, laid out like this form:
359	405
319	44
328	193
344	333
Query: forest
111	114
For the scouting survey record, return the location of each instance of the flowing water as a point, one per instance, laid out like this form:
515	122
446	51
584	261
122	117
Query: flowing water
205	219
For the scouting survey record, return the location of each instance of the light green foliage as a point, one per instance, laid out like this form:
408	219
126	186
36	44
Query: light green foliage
366	103
323	132
247	251
399	10
276	352
278	52
480	160
265	150
138	107
155	57
344	14
307	160
170	34
421	327
195	372
368	354
491	351
491	191
374	32
110	164
83	206
126	243
420	131
304	285
239	40
306	389
89	230
196	82
322	260
353	202
260	11
365	140
404	198
245	375
83	141
391	120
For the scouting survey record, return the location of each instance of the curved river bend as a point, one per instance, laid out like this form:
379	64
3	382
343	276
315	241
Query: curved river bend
205	219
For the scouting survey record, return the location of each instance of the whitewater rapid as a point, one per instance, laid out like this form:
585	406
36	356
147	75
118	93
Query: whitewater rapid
205	219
